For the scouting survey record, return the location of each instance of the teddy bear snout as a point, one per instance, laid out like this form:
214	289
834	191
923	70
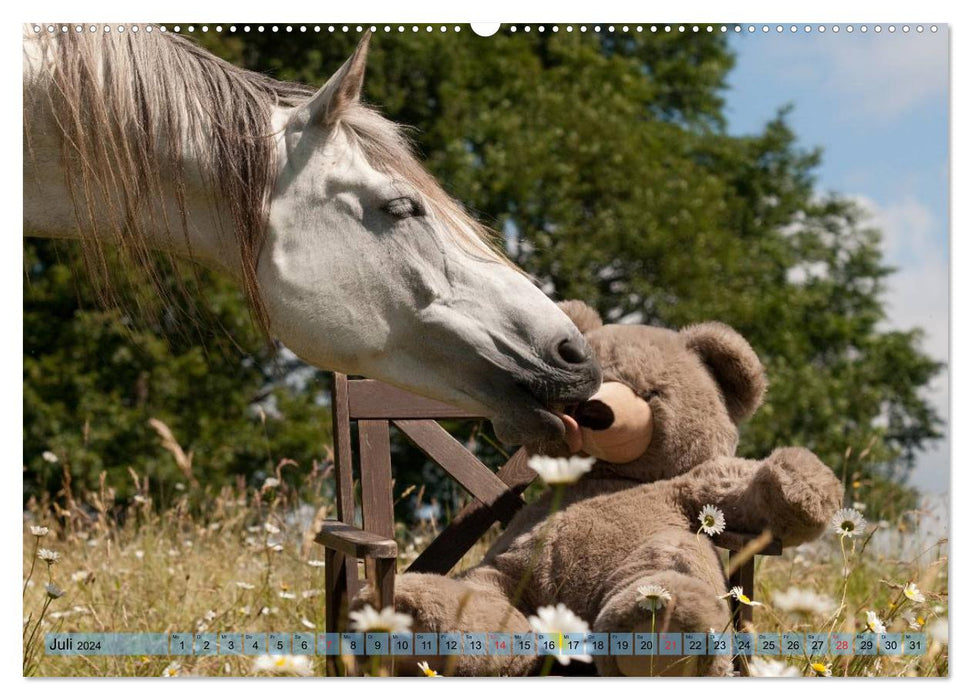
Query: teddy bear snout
594	414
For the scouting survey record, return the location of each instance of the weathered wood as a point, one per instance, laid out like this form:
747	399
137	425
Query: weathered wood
737	541
384	582
743	576
355	542
343	465
473	475
373	400
468	526
335	600
377	505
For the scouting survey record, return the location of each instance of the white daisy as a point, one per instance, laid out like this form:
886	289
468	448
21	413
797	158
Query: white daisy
423	667
271	482
803	602
48	555
308	624
316	562
848	522
560	620
913	593
38	531
287	595
874	623
53	591
49	456
82	576
738	595
367	619
245	586
285	664
271	528
172	670
712	520
652	596
771	668
558	470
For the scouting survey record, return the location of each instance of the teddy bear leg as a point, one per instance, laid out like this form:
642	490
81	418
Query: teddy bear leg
469	604
688	569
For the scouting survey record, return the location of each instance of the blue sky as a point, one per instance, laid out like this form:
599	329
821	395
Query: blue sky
878	106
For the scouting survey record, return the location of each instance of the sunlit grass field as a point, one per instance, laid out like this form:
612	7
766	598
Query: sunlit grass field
243	560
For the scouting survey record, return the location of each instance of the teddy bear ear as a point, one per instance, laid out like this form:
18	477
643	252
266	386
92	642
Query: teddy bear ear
732	362
583	316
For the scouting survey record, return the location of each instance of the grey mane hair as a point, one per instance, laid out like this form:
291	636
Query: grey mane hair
136	111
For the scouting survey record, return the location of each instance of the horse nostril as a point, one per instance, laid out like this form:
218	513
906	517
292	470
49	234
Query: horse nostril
573	352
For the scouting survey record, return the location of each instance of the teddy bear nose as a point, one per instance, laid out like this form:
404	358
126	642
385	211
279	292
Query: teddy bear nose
594	414
573	351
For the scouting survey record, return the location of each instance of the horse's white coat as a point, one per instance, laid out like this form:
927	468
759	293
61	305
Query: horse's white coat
352	284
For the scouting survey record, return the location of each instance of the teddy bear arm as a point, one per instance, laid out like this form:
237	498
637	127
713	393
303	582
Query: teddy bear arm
798	494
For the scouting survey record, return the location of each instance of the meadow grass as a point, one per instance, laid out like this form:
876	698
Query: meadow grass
238	560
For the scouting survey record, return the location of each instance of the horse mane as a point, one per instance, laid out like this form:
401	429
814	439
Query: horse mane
135	108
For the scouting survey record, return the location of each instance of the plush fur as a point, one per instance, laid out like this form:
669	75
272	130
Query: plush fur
623	526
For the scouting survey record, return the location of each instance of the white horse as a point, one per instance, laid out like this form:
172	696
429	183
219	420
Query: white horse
348	250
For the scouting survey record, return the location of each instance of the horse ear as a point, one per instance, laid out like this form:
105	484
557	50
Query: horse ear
343	88
732	363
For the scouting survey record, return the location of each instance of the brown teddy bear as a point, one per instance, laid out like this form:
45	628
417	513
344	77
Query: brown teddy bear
663	428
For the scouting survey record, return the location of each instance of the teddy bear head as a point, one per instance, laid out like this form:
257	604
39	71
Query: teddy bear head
670	400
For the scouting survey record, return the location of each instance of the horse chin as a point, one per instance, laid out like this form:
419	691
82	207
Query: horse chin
530	427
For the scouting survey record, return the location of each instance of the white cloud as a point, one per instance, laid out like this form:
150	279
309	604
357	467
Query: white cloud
877	77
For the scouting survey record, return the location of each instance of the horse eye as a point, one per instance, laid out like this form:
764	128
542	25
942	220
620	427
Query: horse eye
403	208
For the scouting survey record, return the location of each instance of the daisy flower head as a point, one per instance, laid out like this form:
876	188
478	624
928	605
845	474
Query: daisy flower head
737	594
48	555
431	673
271	528
652	596
172	670
560	470
848	522
560	620
803	602
38	531
771	668
821	669
913	593
367	619
271	482
284	665
49	457
53	591
712	520
874	624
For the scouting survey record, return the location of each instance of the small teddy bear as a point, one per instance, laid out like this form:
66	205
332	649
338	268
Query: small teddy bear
663	429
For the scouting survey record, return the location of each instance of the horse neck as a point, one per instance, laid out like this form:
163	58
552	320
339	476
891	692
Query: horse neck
184	216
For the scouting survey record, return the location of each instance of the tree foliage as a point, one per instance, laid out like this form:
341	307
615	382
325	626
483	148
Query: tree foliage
605	162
